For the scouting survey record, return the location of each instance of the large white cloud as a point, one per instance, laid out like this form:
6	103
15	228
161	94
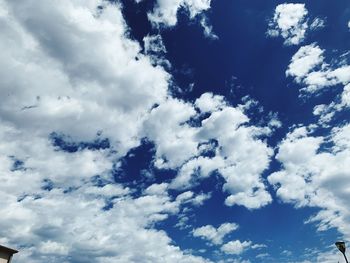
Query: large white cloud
69	67
52	208
224	142
316	175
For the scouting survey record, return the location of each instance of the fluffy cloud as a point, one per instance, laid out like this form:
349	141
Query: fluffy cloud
209	102
221	142
66	74
54	209
164	14
326	112
304	61
308	68
289	21
316	175
215	235
165	11
235	247
68	68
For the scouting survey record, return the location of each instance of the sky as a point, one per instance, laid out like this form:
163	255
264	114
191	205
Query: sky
174	131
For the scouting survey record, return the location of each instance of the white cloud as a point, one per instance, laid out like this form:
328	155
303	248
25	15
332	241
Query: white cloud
155	49
290	22
215	235
304	61
208	102
309	69
235	247
225	134
327	112
60	226
315	176
330	256
67	222
157	189
317	23
77	67
258	246
207	28
154	43
252	199
174	139
286	253
70	68
262	255
165	11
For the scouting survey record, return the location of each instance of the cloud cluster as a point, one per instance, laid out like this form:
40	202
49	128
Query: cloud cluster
308	68
56	210
326	112
315	173
165	12
68	73
290	21
216	237
315	158
211	136
69	70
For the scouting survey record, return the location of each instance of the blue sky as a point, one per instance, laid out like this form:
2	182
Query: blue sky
173	131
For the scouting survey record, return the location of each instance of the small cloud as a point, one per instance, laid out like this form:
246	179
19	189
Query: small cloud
290	22
235	247
262	255
215	235
317	23
286	253
165	12
207	28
